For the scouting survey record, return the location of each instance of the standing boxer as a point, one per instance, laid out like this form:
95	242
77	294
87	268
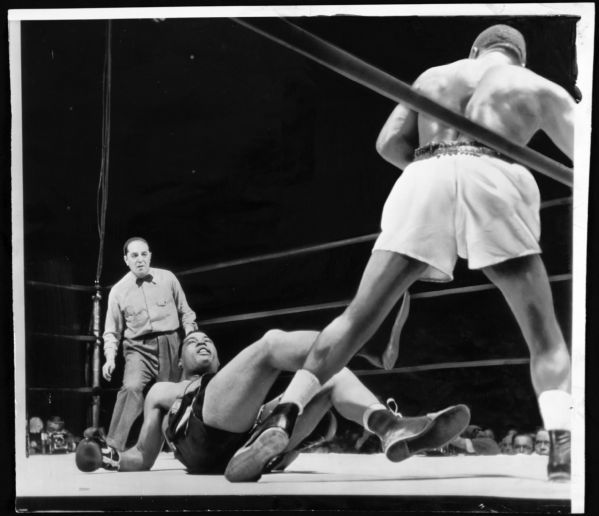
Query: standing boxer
457	197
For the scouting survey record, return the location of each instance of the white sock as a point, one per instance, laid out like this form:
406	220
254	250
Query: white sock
373	408
303	387
556	409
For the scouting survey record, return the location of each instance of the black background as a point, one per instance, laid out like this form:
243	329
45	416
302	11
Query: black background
226	145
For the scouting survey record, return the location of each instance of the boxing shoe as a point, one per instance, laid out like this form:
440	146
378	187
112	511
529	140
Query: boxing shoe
267	441
407	436
324	432
394	431
558	467
446	425
93	452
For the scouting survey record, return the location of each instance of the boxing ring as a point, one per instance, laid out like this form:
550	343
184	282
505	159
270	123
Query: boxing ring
312	481
318	480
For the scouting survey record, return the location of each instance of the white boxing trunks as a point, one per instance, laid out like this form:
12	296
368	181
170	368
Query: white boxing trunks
461	200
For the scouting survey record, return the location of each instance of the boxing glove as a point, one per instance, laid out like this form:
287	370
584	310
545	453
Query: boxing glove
93	452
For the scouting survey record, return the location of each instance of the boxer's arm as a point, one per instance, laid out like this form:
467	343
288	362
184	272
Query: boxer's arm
399	137
558	117
142	456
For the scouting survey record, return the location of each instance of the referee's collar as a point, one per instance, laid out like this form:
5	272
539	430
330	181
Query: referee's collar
150	277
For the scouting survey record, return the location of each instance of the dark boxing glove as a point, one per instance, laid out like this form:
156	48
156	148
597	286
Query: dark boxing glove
93	452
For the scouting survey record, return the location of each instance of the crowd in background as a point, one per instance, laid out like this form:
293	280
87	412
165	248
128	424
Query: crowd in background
474	440
52	437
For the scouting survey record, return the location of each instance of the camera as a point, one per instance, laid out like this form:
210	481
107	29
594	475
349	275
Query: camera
58	438
58	442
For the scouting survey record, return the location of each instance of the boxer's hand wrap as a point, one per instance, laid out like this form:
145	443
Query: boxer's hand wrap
93	452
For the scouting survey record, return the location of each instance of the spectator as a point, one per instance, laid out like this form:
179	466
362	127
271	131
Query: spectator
505	445
523	443
487	432
475	441
542	442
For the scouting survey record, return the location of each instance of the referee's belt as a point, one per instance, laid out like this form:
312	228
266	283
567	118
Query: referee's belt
153	335
467	148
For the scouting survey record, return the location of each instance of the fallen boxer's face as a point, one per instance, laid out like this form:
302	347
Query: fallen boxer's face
199	352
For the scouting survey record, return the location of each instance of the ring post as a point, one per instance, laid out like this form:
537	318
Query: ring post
97	297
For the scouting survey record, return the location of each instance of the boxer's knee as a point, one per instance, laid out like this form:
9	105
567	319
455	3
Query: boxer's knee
266	346
272	338
339	332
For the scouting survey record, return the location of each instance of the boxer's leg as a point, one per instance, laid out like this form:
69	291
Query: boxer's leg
525	286
234	396
386	277
400	436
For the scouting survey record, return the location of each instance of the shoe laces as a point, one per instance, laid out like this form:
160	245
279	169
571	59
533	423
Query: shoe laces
392	406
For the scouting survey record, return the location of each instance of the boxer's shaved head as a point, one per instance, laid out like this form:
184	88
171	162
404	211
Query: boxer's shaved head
501	36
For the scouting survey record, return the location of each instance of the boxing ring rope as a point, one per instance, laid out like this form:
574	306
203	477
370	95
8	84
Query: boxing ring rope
444	365
298	251
281	254
46	284
342	304
310	308
284	254
79	338
348	65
